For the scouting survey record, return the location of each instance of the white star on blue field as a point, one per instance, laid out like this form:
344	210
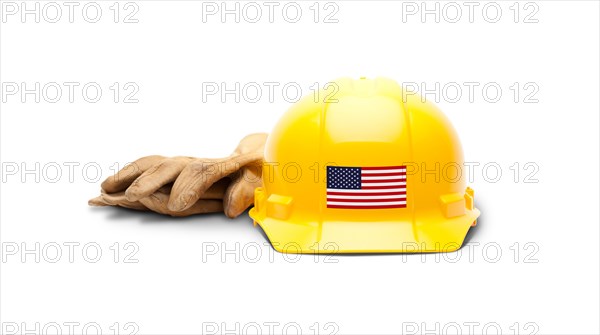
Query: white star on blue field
343	177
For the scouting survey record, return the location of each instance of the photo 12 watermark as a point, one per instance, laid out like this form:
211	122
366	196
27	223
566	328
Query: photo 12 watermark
270	12
69	11
473	91
69	252
55	172
69	92
254	252
470	11
269	328
473	252
69	328
470	328
268	91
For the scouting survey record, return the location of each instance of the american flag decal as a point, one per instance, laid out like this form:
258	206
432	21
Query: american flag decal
366	187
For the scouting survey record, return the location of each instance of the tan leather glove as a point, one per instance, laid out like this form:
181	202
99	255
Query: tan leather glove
182	186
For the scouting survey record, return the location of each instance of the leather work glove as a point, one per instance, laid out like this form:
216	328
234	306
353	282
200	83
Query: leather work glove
183	186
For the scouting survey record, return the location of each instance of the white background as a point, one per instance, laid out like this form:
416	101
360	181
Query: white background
184	282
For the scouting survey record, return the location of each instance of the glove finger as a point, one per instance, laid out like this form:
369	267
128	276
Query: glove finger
122	179
98	201
198	176
215	191
155	177
116	199
158	202
240	193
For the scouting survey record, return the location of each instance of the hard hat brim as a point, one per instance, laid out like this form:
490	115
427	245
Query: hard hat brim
433	234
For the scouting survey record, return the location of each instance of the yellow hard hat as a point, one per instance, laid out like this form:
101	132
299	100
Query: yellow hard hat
365	169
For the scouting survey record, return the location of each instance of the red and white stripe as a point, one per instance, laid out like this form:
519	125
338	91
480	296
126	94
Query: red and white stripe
381	187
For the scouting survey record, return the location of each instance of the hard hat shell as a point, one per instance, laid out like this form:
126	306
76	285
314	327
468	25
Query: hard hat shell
366	125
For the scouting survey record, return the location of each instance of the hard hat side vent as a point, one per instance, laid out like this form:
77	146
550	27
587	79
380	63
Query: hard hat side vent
453	204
